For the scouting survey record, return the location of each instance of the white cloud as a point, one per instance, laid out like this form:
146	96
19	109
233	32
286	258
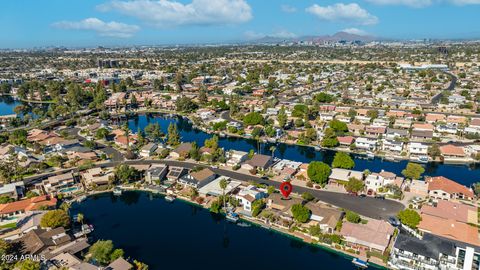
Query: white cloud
355	31
107	29
163	13
252	35
288	8
343	12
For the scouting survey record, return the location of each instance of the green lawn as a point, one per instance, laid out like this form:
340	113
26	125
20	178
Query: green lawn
12	225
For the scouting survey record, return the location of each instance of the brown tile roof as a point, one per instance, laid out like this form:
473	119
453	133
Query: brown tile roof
202	174
451	210
452	150
447	185
449	228
28	204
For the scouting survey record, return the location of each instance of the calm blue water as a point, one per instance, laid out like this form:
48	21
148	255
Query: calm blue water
461	173
7	104
182	236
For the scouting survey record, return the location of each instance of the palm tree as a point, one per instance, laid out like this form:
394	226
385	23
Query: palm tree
223	186
127	134
80	218
273	148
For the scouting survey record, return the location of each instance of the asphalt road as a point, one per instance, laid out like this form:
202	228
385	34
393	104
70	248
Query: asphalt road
113	153
368	207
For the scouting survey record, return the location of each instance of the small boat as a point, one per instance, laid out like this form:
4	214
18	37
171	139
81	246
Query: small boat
222	134
360	263
317	148
169	198
243	224
370	155
272	140
232	217
81	198
117	191
422	159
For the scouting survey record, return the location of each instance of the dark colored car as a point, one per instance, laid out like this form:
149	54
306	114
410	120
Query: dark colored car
381	197
394	221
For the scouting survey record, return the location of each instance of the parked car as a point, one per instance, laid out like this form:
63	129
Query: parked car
381	197
394	221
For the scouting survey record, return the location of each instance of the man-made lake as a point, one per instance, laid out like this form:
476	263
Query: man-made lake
183	236
7	104
464	174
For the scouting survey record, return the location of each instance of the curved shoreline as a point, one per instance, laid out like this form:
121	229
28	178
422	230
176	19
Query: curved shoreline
342	253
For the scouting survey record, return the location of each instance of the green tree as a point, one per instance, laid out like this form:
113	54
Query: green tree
153	131
410	218
104	253
55	218
329	138
413	171
223	185
27	264
173	135
354	185
185	104
300	213
282	117
338	126
253	118
257	207
102	133
318	172
343	160
307	196
124	173
352	217
434	150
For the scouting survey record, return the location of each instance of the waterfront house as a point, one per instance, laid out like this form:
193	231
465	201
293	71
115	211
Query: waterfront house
174	173
422	134
247	195
343	175
368	144
181	151
417	149
431	253
346	140
119	264
396	133
392	146
375	235
375	131
326	217
442	188
13	190
452	153
18	208
57	184
448	228
97	176
198	179
213	188
235	157
148	150
281	207
451	211
258	161
156	173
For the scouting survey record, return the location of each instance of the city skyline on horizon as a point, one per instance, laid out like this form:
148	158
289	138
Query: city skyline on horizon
168	22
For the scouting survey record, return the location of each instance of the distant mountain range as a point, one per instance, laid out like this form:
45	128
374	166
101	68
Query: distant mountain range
340	36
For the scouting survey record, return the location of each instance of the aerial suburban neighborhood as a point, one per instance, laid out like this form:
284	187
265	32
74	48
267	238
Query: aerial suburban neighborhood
348	151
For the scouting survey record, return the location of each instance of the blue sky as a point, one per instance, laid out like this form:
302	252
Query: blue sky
78	23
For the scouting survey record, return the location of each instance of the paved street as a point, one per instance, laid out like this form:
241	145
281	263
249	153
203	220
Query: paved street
113	153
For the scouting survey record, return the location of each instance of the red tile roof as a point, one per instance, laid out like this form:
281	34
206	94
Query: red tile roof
447	185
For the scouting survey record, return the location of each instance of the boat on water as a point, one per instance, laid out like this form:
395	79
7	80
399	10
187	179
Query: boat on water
422	159
317	148
361	264
243	224
370	155
81	198
169	198
117	191
232	217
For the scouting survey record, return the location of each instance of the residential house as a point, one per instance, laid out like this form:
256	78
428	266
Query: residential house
368	144
213	188
198	179
63	183
450	229
326	217
181	151
235	157
373	236
417	149
442	188
174	173
247	195
452	153
392	146
148	150
346	140
13	190
258	161
18	208
343	175
98	176
156	173
431	253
